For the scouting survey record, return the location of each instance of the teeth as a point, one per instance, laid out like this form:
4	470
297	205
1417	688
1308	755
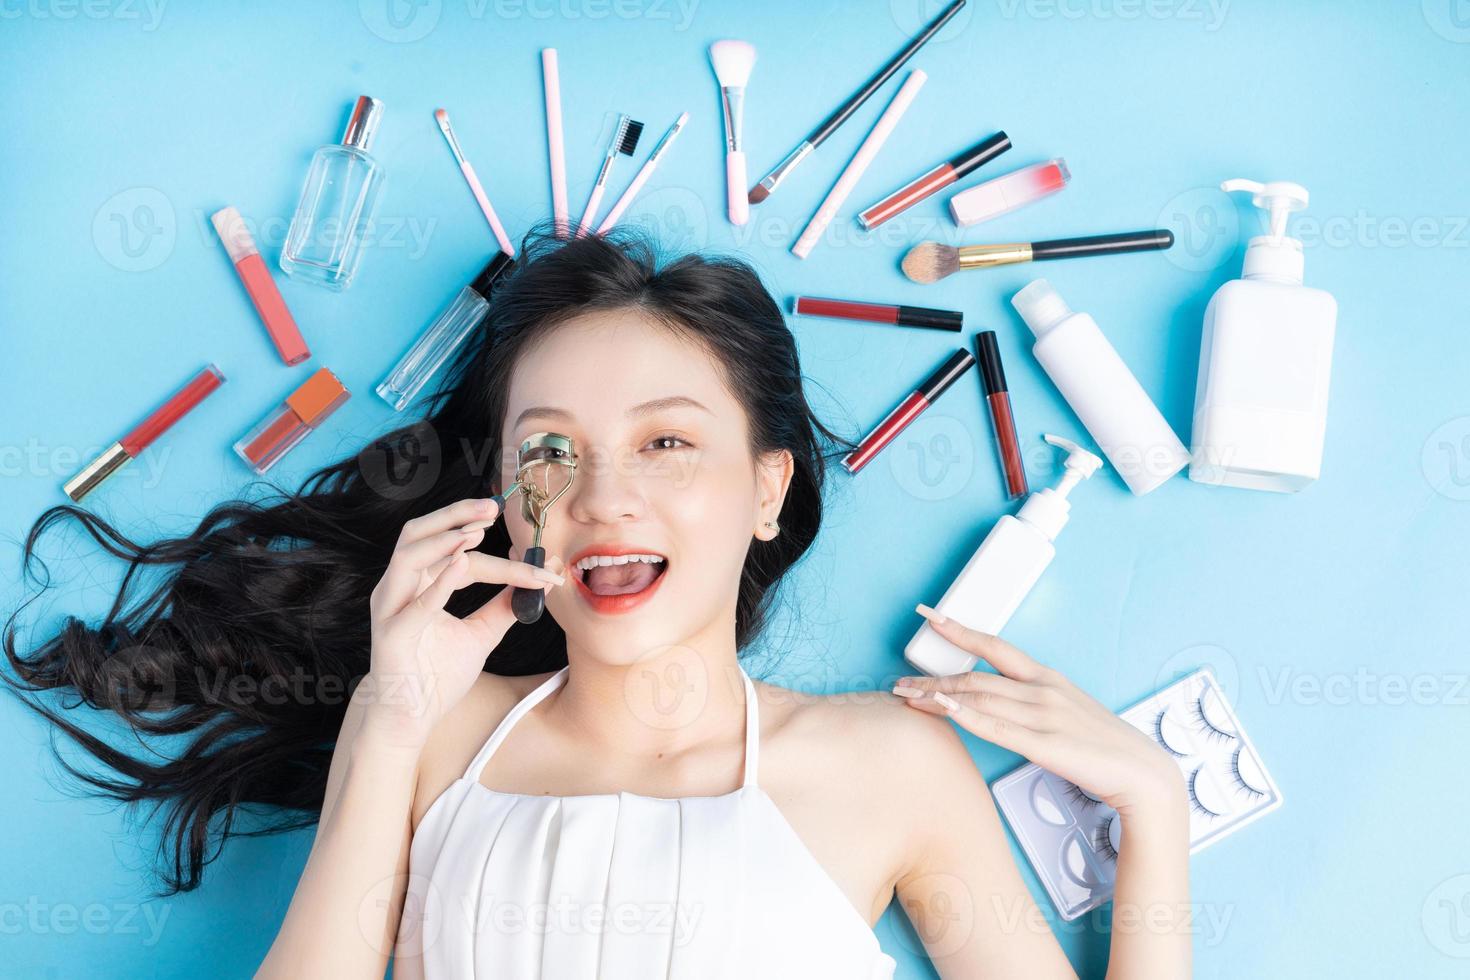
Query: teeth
592	561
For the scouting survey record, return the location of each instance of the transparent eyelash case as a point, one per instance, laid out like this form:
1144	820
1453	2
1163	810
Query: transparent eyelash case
1072	839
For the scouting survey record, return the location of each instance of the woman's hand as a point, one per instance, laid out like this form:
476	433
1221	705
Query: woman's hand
425	660
1035	711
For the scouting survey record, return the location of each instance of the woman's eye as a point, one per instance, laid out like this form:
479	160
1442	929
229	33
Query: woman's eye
659	442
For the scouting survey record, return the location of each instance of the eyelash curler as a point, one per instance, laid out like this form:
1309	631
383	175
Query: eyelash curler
546	464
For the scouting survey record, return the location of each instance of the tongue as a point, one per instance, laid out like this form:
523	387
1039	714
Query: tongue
635	576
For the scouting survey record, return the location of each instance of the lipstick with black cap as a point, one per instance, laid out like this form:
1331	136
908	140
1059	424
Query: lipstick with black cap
909	409
1003	421
934	181
902	316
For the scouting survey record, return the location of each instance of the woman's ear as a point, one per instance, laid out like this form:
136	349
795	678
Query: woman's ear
773	477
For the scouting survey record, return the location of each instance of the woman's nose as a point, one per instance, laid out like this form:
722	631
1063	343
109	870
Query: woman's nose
603	491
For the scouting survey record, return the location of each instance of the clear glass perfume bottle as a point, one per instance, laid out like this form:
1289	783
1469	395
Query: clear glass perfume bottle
324	244
443	337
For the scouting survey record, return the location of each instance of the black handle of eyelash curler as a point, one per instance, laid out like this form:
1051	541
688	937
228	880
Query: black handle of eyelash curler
529	604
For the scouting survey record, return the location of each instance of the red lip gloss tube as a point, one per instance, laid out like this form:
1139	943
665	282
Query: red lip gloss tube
1003	421
909	409
261	287
935	180
179	404
903	316
291	421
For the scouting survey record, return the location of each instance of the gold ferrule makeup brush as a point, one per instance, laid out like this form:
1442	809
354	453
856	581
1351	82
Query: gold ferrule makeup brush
931	261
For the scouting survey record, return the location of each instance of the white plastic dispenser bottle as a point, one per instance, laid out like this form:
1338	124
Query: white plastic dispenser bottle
1260	405
1102	391
1003	569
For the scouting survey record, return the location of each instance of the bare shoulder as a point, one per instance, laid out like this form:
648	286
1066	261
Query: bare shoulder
869	783
461	732
891	742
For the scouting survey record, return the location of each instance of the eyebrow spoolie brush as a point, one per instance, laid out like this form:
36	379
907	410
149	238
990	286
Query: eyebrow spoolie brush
624	142
840	115
931	261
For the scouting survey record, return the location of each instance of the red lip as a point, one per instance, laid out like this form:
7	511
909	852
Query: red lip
614	604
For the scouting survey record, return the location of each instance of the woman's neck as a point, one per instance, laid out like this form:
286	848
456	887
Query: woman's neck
686	696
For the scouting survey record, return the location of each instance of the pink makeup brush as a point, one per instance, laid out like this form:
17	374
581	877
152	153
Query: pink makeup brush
733	61
624	142
442	118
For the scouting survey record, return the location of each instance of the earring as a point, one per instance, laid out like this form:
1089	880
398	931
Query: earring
774	526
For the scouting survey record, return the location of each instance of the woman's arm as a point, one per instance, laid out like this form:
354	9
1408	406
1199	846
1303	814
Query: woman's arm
344	916
1034	710
344	913
961	889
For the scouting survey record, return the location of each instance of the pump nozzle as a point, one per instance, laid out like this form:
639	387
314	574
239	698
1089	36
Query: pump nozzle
1047	509
1278	198
1078	466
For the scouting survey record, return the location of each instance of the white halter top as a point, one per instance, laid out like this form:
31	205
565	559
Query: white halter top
617	886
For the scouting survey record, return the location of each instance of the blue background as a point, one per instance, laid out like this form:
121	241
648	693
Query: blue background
1328	615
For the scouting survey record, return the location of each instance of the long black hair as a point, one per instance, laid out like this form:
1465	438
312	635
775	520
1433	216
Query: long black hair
248	646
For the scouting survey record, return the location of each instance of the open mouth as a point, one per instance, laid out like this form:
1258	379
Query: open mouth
616	582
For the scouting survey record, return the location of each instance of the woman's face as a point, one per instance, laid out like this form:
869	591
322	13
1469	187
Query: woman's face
664	469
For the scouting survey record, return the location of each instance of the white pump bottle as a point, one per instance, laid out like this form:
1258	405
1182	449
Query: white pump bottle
1003	569
1260	409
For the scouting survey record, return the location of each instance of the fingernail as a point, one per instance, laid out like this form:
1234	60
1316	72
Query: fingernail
931	614
945	701
475	526
905	691
495	503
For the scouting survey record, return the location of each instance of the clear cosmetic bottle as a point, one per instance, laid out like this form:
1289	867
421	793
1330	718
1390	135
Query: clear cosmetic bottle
324	244
443	337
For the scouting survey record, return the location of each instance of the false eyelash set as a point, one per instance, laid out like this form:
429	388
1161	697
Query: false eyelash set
1072	838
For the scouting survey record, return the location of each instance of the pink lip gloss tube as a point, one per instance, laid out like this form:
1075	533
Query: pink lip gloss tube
261	287
1008	192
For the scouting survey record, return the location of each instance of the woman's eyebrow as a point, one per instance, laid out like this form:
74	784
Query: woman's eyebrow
646	408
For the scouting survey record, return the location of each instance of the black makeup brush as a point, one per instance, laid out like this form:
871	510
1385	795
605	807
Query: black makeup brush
931	261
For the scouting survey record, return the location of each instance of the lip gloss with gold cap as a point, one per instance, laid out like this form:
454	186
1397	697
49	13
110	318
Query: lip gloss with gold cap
291	421
179	404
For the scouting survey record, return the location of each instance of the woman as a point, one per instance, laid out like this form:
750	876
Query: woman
604	793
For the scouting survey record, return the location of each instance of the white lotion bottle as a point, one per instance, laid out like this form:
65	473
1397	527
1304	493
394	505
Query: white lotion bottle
1260	404
1102	391
1001	572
